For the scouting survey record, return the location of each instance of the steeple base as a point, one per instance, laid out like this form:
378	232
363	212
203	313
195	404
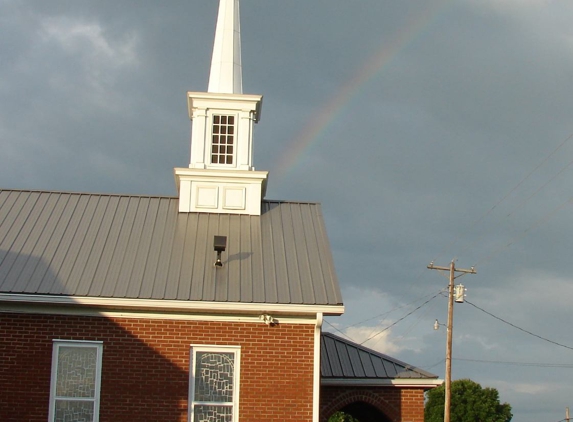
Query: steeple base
224	192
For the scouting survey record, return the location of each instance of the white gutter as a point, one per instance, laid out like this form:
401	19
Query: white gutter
397	382
175	305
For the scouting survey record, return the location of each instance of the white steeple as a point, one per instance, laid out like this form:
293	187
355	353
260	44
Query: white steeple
221	177
226	73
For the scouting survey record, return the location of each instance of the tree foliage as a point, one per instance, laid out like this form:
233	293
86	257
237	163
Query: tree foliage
469	403
342	417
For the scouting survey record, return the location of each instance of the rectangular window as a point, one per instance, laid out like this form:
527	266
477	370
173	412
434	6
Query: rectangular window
214	384
76	377
223	139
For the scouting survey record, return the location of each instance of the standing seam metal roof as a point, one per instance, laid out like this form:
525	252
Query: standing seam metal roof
121	246
341	358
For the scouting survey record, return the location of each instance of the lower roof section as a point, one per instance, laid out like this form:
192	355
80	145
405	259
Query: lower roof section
79	245
344	362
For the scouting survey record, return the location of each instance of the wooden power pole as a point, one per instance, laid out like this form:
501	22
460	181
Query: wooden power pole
450	325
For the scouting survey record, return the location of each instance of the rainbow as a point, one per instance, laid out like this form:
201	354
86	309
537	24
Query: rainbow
317	124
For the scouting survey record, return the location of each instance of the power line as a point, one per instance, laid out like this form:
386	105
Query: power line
480	219
419	319
519	328
540	188
522	203
539	222
344	334
398	320
534	364
383	314
427	368
388	312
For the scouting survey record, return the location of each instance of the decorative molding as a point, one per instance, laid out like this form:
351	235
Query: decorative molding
199	102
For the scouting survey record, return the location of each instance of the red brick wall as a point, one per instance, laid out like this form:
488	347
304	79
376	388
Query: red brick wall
145	373
397	404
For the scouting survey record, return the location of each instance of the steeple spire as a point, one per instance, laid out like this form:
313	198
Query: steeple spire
226	74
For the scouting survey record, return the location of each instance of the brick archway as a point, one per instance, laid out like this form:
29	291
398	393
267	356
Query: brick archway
332	403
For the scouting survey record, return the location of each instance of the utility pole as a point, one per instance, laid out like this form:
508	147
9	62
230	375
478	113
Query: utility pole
567	414
450	325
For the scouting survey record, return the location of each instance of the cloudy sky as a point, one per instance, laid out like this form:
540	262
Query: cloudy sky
428	129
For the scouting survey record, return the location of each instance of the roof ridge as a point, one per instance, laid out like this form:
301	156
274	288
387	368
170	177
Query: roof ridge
140	195
64	192
289	201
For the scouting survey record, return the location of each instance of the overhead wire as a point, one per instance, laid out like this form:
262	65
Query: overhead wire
427	368
344	334
339	329
514	210
388	312
418	319
507	195
519	328
534	364
384	313
540	188
546	217
522	203
400	319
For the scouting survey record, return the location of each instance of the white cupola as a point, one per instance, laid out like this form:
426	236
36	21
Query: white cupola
221	177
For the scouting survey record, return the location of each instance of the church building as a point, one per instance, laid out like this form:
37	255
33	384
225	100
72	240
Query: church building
203	307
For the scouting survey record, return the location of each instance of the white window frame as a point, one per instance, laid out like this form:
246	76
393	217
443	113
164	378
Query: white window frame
98	345
236	350
209	157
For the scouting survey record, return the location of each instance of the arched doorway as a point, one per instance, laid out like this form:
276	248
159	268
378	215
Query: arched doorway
365	412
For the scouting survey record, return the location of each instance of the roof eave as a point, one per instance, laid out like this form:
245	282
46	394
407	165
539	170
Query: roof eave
176	305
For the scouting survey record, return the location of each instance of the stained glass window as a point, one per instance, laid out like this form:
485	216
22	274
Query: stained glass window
76	374
214	384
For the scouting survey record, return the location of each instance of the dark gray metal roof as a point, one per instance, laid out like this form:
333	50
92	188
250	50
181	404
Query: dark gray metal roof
341	358
119	246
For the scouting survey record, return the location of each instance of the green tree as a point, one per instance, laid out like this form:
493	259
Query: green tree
469	403
342	417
